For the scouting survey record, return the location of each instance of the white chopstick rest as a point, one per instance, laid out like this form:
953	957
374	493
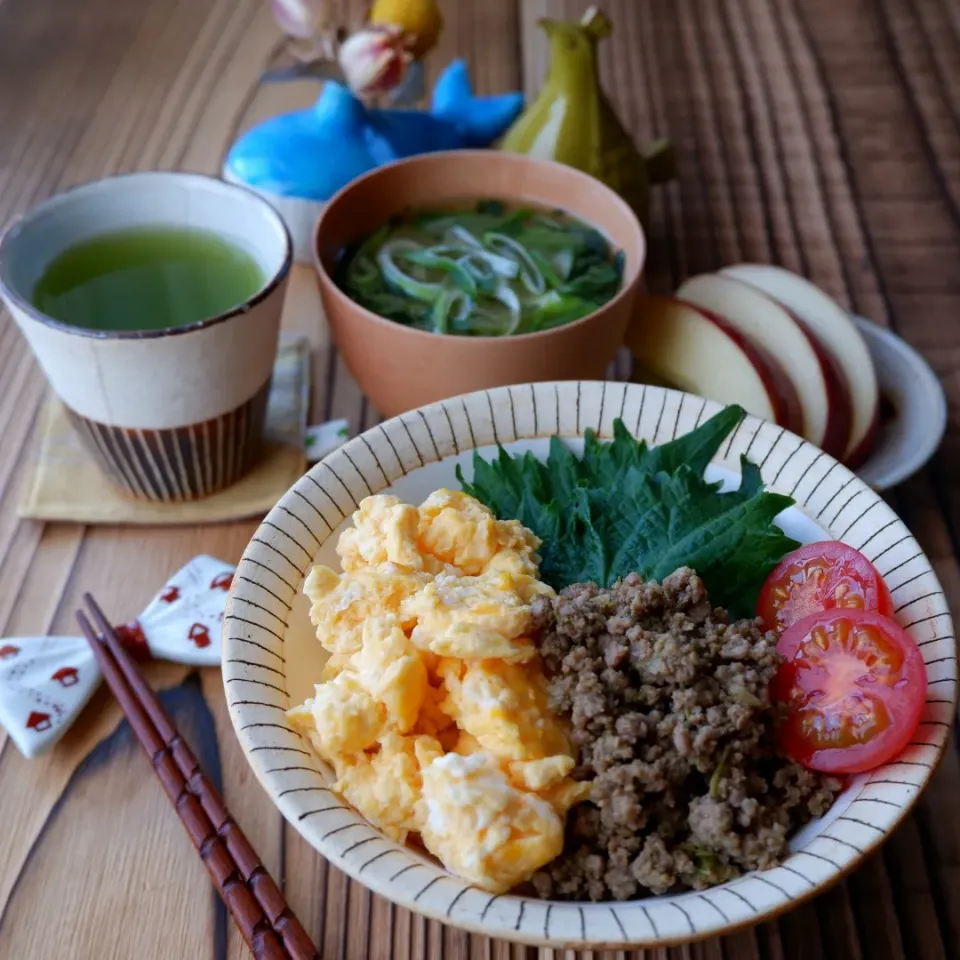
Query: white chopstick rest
46	681
323	438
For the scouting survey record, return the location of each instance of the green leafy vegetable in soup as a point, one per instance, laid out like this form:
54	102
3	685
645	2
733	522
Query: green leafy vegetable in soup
624	507
489	271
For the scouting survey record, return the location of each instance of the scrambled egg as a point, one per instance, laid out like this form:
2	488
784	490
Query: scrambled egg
385	786
432	707
341	605
503	706
460	531
483	827
474	617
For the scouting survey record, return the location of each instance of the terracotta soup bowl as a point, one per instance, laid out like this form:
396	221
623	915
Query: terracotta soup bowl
399	367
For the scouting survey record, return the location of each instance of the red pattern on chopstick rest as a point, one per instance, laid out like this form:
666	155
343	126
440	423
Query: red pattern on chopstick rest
66	676
187	628
39	722
46	681
200	635
134	640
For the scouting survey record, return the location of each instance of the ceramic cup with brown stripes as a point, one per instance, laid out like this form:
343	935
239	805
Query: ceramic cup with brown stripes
171	414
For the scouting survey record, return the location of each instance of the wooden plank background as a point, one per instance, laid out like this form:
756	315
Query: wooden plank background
821	134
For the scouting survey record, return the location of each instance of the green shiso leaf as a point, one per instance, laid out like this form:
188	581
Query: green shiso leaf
624	507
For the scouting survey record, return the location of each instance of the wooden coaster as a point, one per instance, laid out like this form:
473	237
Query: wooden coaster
65	484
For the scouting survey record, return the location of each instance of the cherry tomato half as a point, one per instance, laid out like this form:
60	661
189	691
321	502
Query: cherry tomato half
821	576
854	683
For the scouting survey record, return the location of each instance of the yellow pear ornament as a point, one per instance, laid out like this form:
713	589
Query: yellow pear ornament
420	20
571	120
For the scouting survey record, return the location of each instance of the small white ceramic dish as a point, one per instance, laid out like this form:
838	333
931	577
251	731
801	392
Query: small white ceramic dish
915	405
271	657
299	214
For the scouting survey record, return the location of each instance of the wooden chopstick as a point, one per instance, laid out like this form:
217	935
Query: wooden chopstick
258	907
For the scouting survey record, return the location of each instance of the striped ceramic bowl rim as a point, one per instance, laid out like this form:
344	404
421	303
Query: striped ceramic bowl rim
259	659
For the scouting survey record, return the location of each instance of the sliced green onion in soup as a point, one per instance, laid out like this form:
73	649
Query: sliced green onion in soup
480	269
363	272
460	234
418	289
543	221
553	280
562	262
429	258
501	266
451	304
486	271
530	274
504	293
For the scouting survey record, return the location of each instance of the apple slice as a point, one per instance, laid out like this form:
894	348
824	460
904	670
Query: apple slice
823	396
835	329
697	351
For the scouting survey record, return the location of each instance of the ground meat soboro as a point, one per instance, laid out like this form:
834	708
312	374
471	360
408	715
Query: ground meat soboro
671	713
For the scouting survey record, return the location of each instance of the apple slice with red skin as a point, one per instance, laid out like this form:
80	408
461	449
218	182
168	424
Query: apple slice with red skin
702	353
823	395
834	328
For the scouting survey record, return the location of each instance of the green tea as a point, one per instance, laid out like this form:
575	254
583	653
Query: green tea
146	278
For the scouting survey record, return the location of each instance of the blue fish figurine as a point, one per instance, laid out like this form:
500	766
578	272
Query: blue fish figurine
299	160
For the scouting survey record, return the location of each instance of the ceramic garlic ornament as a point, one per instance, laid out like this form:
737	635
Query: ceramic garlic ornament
310	26
302	19
375	60
571	119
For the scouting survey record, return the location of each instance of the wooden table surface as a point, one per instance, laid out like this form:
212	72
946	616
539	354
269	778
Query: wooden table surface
821	134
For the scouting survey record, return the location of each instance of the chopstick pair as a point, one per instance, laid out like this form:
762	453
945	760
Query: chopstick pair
256	903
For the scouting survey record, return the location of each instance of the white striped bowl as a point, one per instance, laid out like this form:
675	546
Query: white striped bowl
271	657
